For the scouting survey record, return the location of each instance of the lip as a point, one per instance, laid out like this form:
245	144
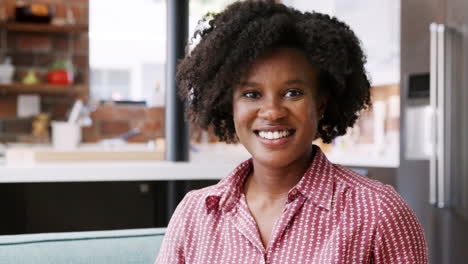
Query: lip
274	142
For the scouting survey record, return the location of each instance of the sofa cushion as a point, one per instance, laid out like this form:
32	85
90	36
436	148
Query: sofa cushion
115	246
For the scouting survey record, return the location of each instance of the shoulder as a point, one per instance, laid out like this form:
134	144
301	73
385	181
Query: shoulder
194	202
182	230
397	232
386	199
189	212
354	180
397	228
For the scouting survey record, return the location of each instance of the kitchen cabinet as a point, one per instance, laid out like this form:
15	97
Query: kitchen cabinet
84	206
60	207
81	196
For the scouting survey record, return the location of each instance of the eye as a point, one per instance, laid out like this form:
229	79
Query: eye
251	94
293	93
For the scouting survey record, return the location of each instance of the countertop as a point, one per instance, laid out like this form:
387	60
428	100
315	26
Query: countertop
210	162
207	162
115	171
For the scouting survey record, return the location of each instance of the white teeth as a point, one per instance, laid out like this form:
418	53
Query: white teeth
274	135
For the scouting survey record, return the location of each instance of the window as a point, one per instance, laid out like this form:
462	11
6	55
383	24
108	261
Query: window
130	36
127	42
110	83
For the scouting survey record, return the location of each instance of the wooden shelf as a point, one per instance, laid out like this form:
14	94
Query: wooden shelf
41	28
18	88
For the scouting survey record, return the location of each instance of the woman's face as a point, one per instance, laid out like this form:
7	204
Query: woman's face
276	109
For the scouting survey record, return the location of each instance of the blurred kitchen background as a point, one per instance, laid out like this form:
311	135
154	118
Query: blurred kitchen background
86	126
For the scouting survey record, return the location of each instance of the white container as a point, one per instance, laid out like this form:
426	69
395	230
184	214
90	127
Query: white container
65	136
6	71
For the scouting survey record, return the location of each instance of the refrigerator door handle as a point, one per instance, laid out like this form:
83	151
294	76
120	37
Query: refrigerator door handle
433	109
440	141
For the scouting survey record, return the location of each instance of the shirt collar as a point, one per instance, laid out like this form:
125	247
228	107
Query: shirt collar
316	185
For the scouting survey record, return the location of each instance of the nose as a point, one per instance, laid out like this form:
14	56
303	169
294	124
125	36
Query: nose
271	110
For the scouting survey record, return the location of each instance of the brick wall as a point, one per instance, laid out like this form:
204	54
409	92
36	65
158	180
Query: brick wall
110	121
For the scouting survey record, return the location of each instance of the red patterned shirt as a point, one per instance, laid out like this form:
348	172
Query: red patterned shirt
332	215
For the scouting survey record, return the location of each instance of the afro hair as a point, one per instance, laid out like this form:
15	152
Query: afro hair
231	41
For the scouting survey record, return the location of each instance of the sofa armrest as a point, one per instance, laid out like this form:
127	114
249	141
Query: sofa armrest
113	246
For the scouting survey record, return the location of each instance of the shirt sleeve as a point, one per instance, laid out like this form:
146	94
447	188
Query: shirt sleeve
172	247
399	235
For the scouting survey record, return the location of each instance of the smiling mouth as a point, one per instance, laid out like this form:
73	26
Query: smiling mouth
276	134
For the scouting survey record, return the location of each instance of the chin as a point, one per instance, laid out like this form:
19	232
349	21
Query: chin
275	159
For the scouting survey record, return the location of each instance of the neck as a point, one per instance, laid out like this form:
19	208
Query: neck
273	184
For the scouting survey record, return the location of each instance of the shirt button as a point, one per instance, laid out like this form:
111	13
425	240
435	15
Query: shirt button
294	192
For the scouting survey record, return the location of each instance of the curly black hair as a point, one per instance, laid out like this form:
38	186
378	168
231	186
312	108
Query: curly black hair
232	40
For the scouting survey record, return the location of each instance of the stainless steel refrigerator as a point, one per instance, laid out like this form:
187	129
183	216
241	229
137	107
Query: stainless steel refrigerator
433	173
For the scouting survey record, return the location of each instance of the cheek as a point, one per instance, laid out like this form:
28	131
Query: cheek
307	111
313	115
241	114
309	116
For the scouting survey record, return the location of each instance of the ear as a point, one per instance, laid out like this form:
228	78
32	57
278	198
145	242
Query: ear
322	105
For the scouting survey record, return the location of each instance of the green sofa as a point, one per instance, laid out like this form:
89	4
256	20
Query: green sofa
100	247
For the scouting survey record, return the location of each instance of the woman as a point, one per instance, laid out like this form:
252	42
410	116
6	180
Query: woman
274	79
